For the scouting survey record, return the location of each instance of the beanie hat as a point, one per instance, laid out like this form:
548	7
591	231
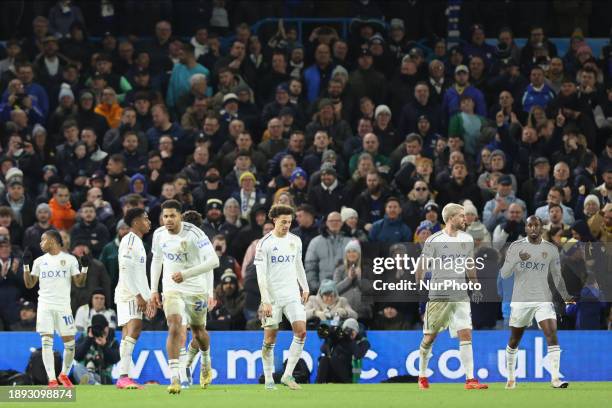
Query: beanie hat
353	245
65	90
347	213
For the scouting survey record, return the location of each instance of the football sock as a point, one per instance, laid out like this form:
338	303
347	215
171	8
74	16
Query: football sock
424	354
174	369
47	357
295	351
267	356
205	360
126	348
554	354
183	364
467	358
511	362
192	352
68	356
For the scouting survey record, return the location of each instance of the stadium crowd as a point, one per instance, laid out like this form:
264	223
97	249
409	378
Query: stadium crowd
368	136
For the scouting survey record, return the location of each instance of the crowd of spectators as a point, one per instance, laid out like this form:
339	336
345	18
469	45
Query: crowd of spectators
368	136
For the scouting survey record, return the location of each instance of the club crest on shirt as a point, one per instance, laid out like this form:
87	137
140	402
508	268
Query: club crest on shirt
544	255
63	262
183	245
292	245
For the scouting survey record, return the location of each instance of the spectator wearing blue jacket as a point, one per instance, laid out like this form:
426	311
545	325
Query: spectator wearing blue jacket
37	94
318	74
538	93
451	100
391	229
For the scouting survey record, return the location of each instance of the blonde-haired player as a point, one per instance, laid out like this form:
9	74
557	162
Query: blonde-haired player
284	290
448	308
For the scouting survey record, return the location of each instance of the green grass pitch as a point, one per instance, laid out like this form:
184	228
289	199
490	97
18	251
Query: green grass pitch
593	394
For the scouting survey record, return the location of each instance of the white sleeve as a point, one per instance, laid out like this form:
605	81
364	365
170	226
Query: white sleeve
207	255
510	262
261	265
554	268
74	267
35	268
128	267
299	267
156	263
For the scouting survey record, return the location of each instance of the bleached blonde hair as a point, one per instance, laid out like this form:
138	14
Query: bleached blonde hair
450	210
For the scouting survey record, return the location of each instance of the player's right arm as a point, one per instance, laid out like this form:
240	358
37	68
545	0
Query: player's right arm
512	259
31	277
261	265
156	269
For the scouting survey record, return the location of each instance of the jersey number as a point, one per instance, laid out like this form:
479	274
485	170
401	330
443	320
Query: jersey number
68	320
199	305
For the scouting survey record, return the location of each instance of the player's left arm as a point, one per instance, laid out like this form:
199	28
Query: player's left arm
301	272
79	277
554	268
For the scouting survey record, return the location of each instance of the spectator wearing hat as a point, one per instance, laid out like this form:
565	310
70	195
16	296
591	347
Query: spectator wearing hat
383	128
398	43
248	195
352	226
391	229
21	205
328	305
462	87
495	209
87	117
298	187
327	196
230	300
471	218
422	232
27	318
338	129
432	214
366	80
214	223
281	100
423	104
66	109
350	282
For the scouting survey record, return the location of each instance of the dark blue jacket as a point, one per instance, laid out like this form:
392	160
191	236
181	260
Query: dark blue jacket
390	231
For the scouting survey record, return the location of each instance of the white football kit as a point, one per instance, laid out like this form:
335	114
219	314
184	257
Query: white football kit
132	278
280	275
531	294
447	308
191	253
55	274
